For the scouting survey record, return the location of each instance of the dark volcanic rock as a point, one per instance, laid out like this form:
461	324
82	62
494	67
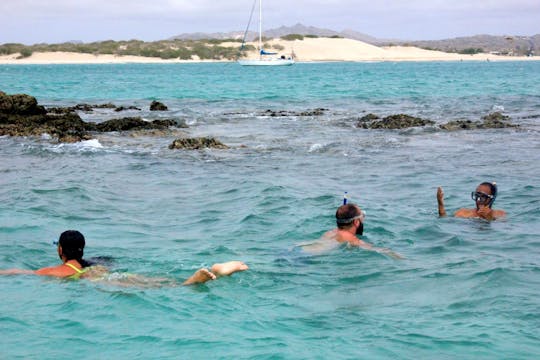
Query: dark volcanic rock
460	125
398	121
314	112
20	104
275	113
104	106
492	121
366	119
278	113
132	123
157	106
197	143
123	108
80	107
497	120
20	115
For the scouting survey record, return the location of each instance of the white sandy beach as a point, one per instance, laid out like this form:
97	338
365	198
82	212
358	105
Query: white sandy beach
307	50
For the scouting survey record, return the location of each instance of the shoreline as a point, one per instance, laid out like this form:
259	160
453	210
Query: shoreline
88	59
306	51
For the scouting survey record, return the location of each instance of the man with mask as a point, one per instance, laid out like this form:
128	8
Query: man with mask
484	197
350	225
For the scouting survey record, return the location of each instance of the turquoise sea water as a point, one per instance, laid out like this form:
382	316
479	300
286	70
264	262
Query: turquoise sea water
467	288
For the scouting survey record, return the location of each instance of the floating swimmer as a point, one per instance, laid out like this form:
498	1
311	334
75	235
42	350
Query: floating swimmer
350	224
484	197
71	249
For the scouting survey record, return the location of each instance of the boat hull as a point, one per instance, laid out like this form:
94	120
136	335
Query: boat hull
272	62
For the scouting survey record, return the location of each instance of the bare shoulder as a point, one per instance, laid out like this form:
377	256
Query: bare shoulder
466	213
499	213
58	271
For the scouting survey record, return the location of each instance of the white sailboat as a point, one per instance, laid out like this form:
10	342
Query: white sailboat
265	58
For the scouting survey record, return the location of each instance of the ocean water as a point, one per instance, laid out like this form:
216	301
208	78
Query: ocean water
466	288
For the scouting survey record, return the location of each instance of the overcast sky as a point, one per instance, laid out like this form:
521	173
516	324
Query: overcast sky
53	21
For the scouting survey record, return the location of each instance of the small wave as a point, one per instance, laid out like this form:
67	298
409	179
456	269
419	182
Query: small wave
93	143
316	147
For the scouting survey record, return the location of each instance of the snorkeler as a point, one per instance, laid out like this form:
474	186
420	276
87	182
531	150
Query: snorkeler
71	249
350	225
484	197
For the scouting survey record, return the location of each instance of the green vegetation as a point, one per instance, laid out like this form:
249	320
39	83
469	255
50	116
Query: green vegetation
292	37
311	36
471	51
25	53
208	49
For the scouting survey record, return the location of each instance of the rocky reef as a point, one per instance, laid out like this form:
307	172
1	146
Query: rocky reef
157	106
197	143
494	120
277	113
21	115
398	121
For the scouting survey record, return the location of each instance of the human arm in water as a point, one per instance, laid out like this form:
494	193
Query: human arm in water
344	236
367	246
440	201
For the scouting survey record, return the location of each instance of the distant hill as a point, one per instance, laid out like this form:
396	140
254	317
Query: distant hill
505	45
279	32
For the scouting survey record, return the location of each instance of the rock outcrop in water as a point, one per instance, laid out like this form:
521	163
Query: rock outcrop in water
197	143
132	123
278	113
157	106
20	104
494	120
398	121
20	115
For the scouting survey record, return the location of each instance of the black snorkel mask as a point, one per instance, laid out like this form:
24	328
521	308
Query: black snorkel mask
484	198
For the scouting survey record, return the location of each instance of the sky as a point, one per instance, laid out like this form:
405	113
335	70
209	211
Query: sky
55	21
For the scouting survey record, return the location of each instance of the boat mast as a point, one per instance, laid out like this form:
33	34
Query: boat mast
260	27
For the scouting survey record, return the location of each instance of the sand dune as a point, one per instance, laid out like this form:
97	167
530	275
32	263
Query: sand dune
307	50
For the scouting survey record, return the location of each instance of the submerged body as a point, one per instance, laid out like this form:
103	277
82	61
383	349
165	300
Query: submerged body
70	250
350	225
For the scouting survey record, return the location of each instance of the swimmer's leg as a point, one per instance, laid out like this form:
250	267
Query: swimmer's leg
228	268
200	276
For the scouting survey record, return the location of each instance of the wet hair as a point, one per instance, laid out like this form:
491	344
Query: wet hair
72	243
345	212
493	189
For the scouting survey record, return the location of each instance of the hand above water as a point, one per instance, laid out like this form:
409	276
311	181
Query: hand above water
485	212
440	201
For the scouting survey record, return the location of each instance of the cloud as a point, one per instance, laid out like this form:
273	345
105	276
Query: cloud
60	20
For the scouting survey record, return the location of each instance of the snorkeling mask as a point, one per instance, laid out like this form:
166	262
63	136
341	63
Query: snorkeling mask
484	198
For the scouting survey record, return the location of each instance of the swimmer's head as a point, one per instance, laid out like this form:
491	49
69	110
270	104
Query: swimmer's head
72	244
485	194
350	215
